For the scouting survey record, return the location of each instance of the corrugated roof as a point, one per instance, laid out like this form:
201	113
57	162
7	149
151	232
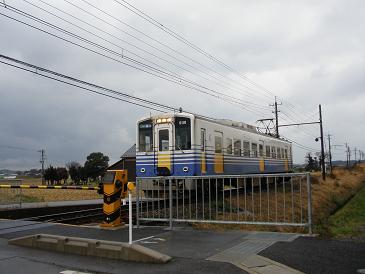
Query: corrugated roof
130	153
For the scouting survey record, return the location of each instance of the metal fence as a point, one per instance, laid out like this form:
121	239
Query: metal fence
270	199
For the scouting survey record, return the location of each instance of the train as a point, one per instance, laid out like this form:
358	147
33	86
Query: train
187	145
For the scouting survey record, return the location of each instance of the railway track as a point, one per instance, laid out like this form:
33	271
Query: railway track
70	217
77	215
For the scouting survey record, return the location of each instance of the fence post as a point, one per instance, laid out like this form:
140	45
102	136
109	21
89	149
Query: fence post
309	195
170	203
137	202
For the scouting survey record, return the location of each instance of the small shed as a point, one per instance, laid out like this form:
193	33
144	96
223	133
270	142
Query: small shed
127	161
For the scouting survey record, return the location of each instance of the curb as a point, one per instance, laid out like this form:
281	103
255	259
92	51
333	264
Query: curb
92	247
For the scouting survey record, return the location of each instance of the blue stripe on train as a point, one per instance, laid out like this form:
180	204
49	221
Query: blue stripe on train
233	165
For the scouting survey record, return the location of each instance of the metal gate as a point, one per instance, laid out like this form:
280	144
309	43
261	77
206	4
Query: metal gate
270	199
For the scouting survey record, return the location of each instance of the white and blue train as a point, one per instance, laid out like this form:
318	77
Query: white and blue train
182	144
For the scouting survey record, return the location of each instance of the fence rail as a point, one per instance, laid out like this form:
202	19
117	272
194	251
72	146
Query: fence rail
254	199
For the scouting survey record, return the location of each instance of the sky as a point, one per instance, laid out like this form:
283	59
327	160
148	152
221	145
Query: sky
304	52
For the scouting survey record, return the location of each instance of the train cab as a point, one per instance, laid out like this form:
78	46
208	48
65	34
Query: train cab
165	146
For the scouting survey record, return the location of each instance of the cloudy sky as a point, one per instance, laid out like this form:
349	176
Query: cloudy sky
305	52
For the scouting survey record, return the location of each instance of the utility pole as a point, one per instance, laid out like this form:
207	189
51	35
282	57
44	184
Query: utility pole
322	144
347	155
329	152
355	154
276	111
42	160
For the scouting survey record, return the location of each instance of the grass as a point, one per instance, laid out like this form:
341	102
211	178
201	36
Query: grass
349	221
27	199
8	196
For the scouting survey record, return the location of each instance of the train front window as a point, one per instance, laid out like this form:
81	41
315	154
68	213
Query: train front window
164	143
182	133
145	136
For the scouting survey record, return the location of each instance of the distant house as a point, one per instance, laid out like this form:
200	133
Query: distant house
127	161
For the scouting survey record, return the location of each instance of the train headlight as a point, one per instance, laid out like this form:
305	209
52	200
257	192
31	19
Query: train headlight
143	170
163	120
185	169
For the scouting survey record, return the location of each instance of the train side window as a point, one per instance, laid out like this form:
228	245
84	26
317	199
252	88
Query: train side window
278	152
268	152
286	153
246	149
254	149
282	153
229	145
218	144
237	147
202	139
261	150
273	152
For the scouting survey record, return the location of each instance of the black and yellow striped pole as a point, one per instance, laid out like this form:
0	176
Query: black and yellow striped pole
114	188
50	187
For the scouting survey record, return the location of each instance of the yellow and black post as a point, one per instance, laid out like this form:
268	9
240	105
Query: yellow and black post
114	185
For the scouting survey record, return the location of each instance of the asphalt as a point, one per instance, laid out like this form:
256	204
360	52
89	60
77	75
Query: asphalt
193	251
39	261
314	255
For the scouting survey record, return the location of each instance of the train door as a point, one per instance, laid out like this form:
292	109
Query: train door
261	156
203	164
218	152
164	149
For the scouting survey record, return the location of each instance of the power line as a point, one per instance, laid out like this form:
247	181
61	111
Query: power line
217	95
218	83
37	69
155	40
164	28
18	148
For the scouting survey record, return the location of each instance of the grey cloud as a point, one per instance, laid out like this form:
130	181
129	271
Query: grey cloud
307	52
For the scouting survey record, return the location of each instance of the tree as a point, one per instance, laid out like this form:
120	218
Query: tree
74	169
312	163
96	165
62	174
50	175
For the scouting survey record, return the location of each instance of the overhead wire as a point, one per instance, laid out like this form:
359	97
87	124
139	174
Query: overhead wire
164	28
216	80
129	59
185	41
216	96
252	92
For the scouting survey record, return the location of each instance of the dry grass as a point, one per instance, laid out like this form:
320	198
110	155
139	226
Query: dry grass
8	196
327	197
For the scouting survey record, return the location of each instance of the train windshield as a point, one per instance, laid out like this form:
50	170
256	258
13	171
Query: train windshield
145	136
182	133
